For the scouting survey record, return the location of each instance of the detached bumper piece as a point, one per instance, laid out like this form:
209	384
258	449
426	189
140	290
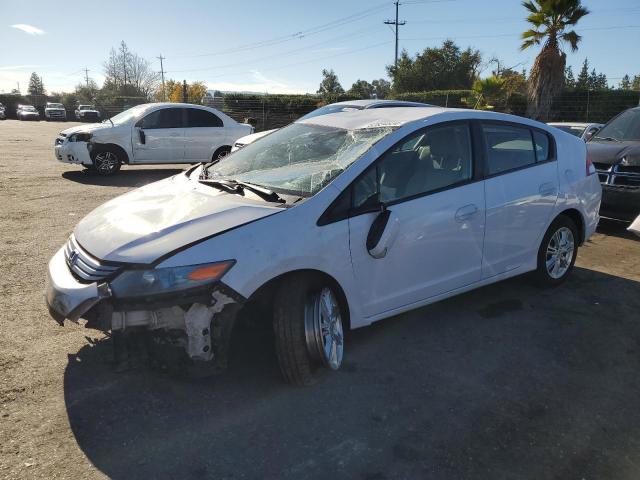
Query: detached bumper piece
189	332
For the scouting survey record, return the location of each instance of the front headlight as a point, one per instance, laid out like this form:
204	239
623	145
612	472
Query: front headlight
80	137
139	283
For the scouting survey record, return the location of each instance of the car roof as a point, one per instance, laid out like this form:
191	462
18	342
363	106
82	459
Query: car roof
396	117
378	103
372	117
568	124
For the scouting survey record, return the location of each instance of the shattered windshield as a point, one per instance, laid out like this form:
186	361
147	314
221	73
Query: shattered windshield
300	159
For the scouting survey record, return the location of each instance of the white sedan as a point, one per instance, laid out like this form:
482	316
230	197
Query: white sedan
331	223
150	133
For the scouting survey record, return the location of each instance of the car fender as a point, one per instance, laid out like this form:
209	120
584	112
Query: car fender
267	248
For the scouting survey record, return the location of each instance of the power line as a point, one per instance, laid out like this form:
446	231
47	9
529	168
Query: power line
297	35
305	49
397	24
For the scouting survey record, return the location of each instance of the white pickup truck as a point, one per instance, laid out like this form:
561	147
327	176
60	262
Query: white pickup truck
87	113
55	111
150	133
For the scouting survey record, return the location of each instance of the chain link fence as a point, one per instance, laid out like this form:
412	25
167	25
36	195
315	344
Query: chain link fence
274	111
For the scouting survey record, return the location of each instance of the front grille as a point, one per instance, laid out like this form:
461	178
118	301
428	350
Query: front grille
89	116
602	167
85	267
618	175
627	169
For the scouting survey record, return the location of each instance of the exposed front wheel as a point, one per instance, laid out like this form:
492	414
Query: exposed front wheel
106	162
558	252
308	329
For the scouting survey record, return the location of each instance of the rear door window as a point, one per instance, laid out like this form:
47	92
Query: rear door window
202	118
508	147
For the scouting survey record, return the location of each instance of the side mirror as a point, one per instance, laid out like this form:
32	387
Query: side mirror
382	233
590	134
143	137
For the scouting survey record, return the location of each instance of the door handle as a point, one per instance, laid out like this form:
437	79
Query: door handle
466	212
547	188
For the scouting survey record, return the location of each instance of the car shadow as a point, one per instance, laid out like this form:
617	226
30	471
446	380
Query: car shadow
616	228
507	378
124	178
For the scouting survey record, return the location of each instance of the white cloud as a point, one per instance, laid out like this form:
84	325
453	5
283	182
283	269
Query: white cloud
258	82
30	29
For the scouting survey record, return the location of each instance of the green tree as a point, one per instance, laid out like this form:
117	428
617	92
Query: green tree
489	92
569	79
36	87
361	89
329	84
635	84
582	83
445	67
551	21
381	88
625	83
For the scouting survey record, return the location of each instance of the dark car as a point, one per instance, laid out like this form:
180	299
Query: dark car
615	153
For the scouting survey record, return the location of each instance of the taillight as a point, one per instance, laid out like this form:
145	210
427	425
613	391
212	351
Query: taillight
591	170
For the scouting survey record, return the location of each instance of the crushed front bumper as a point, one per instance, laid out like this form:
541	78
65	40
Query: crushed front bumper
67	298
72	152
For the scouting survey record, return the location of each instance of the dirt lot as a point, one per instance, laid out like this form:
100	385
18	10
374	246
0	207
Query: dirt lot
505	382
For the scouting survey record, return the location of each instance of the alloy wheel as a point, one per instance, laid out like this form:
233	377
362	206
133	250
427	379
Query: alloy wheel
560	252
323	328
106	162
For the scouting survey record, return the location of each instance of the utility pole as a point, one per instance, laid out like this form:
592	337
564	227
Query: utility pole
185	95
86	76
397	24
161	58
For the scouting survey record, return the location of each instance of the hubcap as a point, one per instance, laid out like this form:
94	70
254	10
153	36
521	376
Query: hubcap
560	252
323	328
106	162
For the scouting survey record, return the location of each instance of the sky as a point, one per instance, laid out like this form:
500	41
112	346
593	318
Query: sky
282	46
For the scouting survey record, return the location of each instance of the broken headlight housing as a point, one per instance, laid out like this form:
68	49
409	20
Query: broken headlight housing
158	281
80	137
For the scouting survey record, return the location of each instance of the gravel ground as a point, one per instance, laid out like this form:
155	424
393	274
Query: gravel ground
507	381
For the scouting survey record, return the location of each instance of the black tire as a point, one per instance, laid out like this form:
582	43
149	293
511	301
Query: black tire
106	161
220	153
297	364
542	275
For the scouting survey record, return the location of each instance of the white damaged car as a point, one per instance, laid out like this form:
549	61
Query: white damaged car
331	223
153	133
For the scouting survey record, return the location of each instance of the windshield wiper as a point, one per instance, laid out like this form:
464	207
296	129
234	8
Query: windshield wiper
608	139
235	186
267	194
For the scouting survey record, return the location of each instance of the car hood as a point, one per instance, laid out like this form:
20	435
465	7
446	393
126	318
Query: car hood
54	108
150	222
254	136
87	111
91	127
602	151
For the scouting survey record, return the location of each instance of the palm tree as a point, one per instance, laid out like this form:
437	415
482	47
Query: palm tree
551	21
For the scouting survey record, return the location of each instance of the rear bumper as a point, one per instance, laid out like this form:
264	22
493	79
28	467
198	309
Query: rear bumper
620	202
65	296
